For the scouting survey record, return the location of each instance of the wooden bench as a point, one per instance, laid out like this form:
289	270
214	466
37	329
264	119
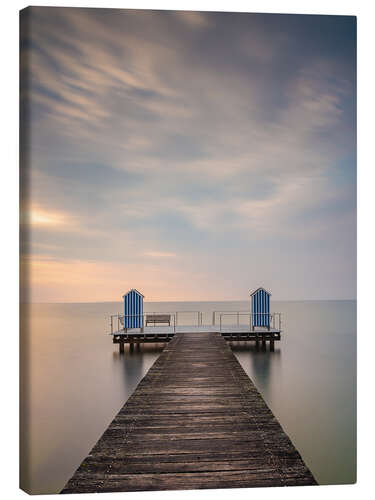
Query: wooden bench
158	318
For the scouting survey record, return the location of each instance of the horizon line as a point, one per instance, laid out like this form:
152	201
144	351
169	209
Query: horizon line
181	301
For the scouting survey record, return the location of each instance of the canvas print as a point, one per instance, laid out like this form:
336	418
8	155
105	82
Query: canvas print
188	250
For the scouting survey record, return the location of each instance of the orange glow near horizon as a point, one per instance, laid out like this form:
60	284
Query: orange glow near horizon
61	280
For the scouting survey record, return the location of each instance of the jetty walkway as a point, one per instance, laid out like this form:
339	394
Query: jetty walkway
195	421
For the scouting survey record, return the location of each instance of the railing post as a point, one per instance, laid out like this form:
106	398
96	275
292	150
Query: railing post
176	318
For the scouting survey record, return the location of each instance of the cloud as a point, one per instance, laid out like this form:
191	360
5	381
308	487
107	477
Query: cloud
193	19
206	134
37	217
159	254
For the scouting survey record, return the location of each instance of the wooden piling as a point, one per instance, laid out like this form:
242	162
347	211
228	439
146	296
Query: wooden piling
195	421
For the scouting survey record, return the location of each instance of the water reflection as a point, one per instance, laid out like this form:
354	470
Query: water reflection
78	381
258	359
137	360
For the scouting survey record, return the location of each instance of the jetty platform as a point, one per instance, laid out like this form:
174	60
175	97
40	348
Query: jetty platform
194	421
245	327
160	334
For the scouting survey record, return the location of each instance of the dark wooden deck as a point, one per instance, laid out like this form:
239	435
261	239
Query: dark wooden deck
195	421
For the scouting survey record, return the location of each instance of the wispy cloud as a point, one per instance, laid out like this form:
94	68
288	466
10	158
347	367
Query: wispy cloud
160	254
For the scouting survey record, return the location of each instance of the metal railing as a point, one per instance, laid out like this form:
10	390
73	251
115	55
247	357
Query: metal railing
241	319
269	320
119	319
214	314
179	313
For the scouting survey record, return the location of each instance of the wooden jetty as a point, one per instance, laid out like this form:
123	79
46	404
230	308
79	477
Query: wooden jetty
195	421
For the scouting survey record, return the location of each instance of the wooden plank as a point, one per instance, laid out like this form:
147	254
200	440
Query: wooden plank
195	421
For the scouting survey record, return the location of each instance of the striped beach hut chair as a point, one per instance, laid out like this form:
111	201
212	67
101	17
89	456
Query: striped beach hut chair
260	308
133	309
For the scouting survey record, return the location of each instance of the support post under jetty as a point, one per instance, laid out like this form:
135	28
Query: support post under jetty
195	421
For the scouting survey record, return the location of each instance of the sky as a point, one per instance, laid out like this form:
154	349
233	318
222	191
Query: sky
189	155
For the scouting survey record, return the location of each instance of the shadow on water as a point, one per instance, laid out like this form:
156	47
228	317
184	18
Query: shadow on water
257	361
136	361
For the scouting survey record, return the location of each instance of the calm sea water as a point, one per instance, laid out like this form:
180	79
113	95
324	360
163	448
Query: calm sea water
74	381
